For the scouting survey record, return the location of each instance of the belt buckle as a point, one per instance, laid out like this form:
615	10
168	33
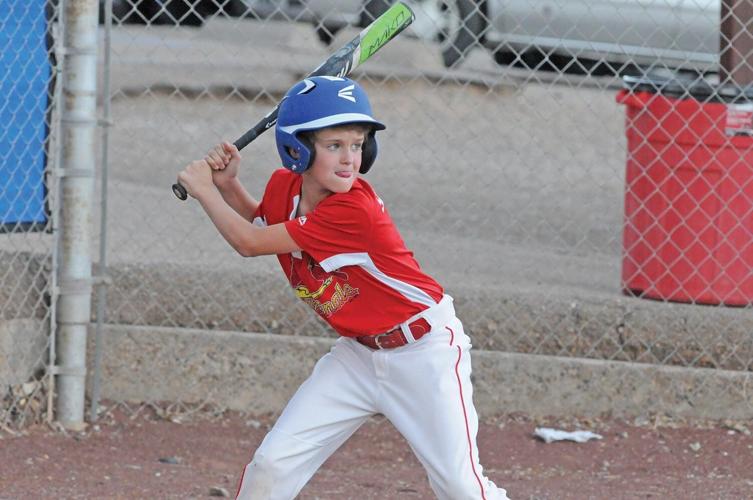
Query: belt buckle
376	339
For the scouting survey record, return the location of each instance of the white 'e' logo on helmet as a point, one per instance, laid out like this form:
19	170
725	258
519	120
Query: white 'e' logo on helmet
347	93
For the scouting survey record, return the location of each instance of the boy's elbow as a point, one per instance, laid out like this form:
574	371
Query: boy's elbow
243	242
247	250
251	244
244	246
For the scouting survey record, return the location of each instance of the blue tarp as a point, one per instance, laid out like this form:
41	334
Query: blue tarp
24	82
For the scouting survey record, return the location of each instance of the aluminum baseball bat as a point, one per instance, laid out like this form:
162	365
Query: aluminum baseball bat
354	53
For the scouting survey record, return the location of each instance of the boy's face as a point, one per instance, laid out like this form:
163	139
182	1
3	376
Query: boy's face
338	158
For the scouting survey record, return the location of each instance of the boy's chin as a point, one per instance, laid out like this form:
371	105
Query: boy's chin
342	189
342	185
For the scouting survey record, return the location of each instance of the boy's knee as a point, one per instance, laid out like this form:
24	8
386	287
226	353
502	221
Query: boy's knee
260	477
265	465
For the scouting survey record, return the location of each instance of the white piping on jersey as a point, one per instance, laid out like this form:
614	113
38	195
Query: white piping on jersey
328	121
363	260
296	201
345	259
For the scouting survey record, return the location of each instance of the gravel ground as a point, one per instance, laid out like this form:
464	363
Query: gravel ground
145	455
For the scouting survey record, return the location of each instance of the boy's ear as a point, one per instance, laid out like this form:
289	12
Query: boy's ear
294	153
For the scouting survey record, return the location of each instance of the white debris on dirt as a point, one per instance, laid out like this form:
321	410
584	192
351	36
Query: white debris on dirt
218	491
548	435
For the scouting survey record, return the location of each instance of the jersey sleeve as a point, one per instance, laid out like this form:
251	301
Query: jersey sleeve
262	214
336	233
259	218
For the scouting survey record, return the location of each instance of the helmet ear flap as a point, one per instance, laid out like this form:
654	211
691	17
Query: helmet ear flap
368	152
308	144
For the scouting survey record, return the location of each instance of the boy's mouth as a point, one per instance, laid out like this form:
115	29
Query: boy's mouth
345	174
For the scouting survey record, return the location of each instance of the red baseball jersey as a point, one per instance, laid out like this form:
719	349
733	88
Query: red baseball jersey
354	270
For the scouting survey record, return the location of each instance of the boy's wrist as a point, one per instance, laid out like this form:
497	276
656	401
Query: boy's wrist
206	191
225	184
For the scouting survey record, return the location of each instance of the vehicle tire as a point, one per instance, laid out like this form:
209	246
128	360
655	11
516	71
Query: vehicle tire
123	12
463	30
533	58
237	8
505	56
371	10
326	33
177	12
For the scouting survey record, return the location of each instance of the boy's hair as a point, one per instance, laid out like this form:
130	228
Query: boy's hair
311	135
317	103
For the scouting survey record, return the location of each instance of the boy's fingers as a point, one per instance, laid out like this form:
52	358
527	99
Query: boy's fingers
231	149
234	153
215	160
220	156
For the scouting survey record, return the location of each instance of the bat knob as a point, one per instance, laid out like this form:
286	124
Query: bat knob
180	192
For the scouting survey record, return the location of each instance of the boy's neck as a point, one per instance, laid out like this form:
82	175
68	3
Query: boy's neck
310	198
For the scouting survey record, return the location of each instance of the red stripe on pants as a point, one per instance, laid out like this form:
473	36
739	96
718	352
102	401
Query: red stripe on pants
465	416
240	483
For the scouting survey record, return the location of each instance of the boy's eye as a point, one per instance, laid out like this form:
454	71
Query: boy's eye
336	146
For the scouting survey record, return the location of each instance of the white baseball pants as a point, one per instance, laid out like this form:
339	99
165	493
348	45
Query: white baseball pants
423	388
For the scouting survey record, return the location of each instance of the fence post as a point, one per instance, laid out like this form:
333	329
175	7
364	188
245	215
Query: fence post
78	129
736	42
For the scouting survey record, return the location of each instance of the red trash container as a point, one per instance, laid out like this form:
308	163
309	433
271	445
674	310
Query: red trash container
688	228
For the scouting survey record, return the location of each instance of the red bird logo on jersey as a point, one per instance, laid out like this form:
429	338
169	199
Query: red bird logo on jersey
318	272
303	293
314	289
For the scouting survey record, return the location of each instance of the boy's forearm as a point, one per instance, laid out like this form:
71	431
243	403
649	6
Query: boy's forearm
238	198
229	222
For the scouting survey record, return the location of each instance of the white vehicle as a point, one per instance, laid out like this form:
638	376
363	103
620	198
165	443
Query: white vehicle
674	33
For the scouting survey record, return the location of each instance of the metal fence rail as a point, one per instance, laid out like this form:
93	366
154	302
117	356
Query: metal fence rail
517	169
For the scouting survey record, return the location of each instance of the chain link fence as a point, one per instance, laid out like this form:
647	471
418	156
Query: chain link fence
555	207
27	153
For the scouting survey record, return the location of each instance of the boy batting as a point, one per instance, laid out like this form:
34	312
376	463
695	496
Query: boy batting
401	353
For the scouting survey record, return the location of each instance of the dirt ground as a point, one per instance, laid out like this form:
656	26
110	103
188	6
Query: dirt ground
144	455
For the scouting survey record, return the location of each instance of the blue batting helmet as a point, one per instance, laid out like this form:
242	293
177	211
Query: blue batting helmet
320	102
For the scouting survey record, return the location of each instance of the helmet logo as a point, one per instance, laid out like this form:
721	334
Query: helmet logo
309	85
347	93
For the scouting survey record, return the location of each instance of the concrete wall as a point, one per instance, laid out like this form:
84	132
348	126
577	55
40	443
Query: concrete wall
259	372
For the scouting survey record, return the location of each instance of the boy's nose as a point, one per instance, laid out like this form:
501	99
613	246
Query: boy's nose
348	156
